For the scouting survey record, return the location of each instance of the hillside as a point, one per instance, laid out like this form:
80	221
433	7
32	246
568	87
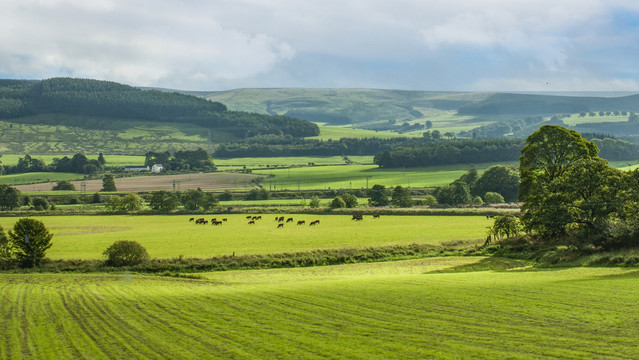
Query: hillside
416	111
20	99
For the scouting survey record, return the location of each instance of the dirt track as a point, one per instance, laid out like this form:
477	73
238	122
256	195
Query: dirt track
206	181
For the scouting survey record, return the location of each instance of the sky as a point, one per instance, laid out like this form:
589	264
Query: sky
438	45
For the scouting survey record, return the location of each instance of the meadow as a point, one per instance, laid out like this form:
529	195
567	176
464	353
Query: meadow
408	309
362	176
169	236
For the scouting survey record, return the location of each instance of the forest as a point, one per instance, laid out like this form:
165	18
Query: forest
20	98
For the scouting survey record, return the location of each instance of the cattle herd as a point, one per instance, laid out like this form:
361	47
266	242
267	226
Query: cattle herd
281	220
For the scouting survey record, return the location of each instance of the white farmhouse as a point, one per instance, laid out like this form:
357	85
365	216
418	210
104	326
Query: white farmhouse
157	168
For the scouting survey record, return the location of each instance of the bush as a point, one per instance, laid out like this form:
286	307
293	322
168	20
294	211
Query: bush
226	196
493	198
40	204
63	185
429	200
315	202
126	253
337	203
350	200
96	198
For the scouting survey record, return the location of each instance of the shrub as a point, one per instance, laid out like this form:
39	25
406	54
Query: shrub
493	198
126	253
477	200
337	203
40	204
315	202
96	198
350	200
63	185
429	200
226	196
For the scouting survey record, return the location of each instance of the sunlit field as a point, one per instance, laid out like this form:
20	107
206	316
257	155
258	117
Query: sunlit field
167	236
394	310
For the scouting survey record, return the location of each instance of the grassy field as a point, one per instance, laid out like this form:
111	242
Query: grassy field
38	177
86	237
357	176
287	161
398	310
111	160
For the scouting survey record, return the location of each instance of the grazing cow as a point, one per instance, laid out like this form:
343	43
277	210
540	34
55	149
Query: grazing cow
280	219
251	222
490	216
375	216
225	219
200	221
259	217
249	216
289	220
301	222
216	222
280	225
191	219
358	217
316	222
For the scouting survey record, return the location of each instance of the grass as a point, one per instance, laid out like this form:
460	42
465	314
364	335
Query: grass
112	160
37	177
397	310
287	161
359	176
575	119
168	236
337	132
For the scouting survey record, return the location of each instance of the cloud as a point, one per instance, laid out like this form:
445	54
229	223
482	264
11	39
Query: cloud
210	45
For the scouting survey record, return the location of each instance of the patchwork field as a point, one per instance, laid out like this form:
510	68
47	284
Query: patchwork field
86	237
395	310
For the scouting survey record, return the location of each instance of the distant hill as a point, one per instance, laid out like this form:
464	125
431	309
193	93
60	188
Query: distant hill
402	111
104	99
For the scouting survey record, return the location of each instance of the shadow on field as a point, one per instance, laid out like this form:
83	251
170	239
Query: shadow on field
486	264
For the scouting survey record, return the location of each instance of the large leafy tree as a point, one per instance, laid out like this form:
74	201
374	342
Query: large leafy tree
108	183
500	179
401	197
164	201
378	196
30	239
564	183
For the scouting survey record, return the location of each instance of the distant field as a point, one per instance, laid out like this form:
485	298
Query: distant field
357	176
111	160
204	181
167	236
263	162
397	310
575	119
38	177
338	132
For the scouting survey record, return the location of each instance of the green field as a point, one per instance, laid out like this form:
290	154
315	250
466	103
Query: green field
397	310
86	237
37	177
287	161
357	176
338	132
111	160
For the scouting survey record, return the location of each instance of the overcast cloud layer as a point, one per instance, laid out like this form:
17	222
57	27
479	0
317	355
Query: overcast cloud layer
515	45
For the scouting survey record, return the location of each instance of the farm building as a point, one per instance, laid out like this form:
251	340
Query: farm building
157	168
132	168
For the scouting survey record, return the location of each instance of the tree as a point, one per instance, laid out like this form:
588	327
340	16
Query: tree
500	179
101	159
457	193
125	253
506	225
6	250
550	160
9	197
30	239
63	185
350	200
128	203
108	183
633	118
209	201
401	197
337	203
164	201
377	196
429	124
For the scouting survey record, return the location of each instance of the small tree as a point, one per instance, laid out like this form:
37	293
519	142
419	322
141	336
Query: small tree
315	202
9	197
101	159
40	204
30	239
401	197
226	196
164	201
377	196
337	203
125	253
506	225
96	198
108	183
350	200
6	250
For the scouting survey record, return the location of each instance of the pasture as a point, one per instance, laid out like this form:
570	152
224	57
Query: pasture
168	236
362	176
394	310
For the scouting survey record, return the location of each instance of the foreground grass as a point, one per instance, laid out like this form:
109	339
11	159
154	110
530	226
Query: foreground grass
364	311
168	236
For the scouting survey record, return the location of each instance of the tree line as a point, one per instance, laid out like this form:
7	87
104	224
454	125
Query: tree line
183	160
79	163
19	98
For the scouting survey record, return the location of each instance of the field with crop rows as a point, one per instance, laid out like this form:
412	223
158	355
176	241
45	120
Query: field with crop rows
167	236
395	310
